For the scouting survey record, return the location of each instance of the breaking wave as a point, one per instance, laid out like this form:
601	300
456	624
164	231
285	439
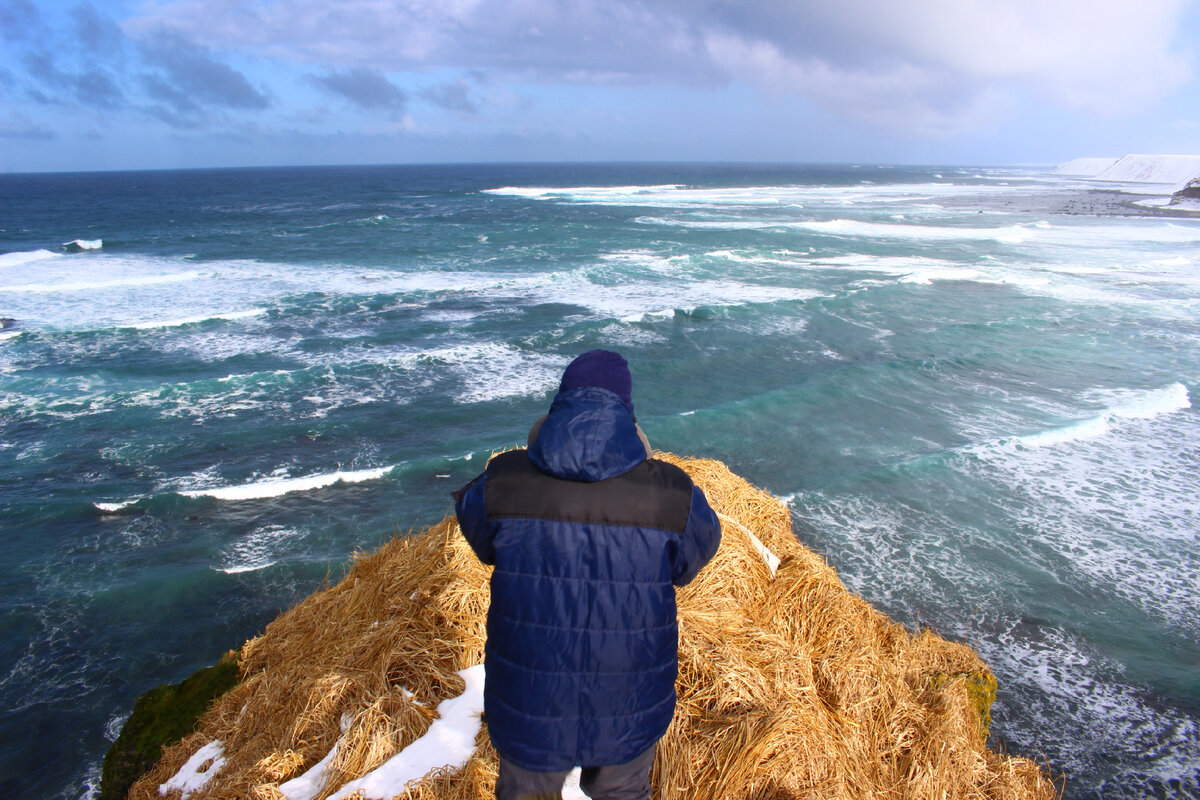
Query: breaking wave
276	487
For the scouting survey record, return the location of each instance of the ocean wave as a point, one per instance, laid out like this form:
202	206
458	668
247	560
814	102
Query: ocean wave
16	259
1011	234
114	508
276	487
648	316
1137	405
596	192
176	323
798	196
850	228
79	245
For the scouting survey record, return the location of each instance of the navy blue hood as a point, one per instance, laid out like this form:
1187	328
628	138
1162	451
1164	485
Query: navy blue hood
589	435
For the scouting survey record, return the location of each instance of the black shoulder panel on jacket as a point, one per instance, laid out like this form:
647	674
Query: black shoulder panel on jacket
654	494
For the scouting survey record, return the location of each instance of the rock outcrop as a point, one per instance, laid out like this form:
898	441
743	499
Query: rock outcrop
789	686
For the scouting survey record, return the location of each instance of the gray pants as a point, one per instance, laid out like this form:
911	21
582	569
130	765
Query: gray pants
623	782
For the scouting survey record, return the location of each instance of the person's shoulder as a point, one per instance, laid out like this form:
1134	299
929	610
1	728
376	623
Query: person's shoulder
509	459
667	474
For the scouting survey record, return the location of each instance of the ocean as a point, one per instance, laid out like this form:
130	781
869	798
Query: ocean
975	388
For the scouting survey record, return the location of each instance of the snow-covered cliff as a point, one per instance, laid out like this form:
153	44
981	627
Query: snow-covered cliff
1175	171
1085	167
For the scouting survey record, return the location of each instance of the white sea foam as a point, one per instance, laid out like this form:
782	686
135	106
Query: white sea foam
138	291
907	269
493	370
658	295
1120	238
176	323
87	286
942	274
1011	234
258	550
647	316
16	259
7	335
1085	710
276	487
1128	472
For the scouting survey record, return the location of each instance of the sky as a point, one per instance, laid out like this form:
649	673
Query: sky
165	84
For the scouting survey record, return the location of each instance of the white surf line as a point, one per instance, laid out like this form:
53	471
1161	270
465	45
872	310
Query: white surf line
16	259
767	556
276	487
449	743
197	772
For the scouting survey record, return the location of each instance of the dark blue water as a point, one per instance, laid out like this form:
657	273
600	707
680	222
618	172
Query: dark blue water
978	406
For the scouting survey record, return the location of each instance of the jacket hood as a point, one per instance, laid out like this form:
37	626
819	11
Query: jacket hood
589	435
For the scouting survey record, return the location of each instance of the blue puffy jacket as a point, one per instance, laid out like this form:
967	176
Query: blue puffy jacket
589	538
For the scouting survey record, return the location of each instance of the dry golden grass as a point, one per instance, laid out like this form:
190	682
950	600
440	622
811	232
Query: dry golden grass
789	685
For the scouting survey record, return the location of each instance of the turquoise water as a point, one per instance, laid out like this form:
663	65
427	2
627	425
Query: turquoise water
978	406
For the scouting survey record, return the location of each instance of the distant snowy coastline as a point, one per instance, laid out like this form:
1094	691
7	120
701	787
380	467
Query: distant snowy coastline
1169	180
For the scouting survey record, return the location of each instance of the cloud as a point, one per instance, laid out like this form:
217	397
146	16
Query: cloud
189	77
18	126
922	66
1090	56
451	95
98	88
19	20
365	88
176	107
93	87
96	31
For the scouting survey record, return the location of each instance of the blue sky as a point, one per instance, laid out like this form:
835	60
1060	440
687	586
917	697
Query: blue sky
199	83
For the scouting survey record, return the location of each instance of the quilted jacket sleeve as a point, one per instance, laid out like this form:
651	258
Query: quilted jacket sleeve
700	540
471	510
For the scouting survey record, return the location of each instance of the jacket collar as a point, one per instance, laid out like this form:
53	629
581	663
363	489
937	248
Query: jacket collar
589	435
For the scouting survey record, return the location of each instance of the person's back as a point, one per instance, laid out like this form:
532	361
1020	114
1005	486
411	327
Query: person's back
589	537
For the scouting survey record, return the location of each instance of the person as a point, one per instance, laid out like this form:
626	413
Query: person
589	536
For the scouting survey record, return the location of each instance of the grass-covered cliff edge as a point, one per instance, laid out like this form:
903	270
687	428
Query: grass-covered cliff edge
789	685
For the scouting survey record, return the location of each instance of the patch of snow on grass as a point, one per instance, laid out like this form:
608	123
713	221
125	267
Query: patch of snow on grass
197	772
449	743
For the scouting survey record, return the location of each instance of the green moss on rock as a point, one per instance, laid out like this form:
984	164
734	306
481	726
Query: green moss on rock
162	717
981	692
